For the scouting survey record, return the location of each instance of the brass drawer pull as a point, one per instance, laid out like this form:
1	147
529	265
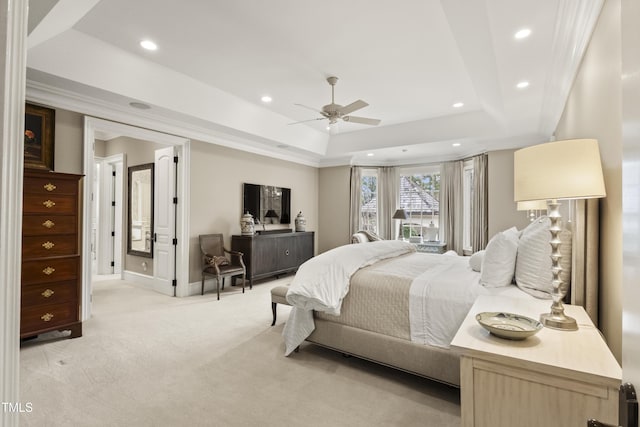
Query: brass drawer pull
47	293
47	317
48	271
48	223
48	245
49	203
49	187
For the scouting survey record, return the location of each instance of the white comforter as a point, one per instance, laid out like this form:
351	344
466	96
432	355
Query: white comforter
440	298
322	282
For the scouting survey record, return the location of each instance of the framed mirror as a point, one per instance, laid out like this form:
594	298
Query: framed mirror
140	216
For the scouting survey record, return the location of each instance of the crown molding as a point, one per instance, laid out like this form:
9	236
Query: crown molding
55	97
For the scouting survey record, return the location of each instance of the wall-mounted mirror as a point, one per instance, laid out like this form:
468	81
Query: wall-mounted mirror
140	231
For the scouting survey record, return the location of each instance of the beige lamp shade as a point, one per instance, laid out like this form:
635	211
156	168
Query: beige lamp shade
569	169
532	205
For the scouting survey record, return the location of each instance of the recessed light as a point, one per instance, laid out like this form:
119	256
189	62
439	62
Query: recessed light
149	45
370	154
456	144
458	105
139	105
266	99
522	34
522	85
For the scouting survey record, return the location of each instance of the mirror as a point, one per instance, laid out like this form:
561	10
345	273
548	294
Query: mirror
140	232
267	204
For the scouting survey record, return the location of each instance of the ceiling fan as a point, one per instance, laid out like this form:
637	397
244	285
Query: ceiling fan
334	112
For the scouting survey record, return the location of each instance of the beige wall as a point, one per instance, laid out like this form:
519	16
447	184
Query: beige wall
333	196
502	208
217	175
68	142
593	110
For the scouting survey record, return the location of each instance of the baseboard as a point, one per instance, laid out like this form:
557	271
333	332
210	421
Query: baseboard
141	280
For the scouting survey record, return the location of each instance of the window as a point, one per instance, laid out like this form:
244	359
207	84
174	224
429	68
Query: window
369	201
419	196
467	197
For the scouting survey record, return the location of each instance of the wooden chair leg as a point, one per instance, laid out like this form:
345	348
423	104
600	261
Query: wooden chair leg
202	285
243	283
218	287
223	283
273	308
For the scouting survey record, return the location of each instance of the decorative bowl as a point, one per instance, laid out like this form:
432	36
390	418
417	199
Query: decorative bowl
508	325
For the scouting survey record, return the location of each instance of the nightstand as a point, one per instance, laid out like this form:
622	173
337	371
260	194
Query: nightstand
432	247
554	378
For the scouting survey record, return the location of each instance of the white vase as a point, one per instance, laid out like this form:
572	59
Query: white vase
301	222
247	225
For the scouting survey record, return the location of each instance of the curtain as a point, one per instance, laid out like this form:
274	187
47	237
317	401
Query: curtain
451	205
584	260
387	202
355	200
479	204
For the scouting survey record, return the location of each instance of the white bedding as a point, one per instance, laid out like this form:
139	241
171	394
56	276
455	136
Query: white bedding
441	297
322	282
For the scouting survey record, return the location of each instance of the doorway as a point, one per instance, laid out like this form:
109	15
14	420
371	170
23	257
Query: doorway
105	219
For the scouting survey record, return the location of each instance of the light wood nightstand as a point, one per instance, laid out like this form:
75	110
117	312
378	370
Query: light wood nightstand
554	378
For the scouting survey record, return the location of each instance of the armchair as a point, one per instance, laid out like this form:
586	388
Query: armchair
216	263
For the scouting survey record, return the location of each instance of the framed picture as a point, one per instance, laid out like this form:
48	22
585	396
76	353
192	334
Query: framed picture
39	130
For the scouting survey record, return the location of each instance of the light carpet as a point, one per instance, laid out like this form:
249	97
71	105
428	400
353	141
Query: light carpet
146	359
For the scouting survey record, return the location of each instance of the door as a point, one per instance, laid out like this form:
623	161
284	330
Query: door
164	220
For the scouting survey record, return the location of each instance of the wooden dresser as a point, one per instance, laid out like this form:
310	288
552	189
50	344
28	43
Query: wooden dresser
554	378
51	261
273	254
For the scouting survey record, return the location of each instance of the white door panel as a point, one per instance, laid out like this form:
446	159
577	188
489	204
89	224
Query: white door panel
164	220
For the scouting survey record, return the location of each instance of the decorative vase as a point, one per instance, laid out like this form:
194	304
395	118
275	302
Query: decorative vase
247	225
301	222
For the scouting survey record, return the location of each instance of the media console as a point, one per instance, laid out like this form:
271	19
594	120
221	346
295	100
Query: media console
273	254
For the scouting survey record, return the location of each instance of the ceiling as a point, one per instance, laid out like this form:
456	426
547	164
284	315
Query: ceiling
410	60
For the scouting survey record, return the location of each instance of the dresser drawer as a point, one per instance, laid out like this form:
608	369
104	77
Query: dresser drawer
49	270
45	246
33	319
50	203
49	293
54	185
46	225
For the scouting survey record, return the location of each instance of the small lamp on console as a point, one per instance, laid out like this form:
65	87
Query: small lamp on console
553	171
271	214
400	214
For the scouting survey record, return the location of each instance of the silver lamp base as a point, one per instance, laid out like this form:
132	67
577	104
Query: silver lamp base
559	321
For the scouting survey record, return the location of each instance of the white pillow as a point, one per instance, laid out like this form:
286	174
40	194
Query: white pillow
533	265
499	262
475	261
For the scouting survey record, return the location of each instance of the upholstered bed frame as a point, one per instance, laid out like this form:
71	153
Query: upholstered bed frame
427	361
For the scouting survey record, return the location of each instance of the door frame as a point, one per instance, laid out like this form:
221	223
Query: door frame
183	151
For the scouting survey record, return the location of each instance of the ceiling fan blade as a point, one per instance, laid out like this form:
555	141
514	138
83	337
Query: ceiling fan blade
352	107
310	120
362	120
312	109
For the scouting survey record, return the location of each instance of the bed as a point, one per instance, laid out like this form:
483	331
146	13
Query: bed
397	307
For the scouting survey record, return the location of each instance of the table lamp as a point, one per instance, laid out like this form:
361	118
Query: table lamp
554	171
400	214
